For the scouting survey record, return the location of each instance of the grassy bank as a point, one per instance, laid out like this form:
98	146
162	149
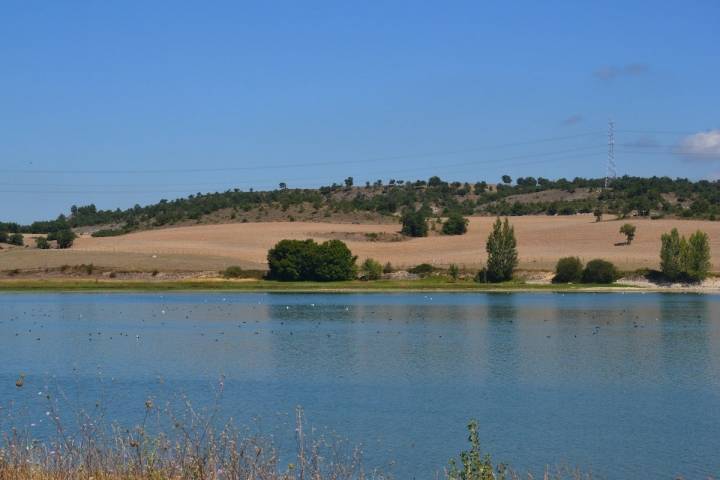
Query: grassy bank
427	284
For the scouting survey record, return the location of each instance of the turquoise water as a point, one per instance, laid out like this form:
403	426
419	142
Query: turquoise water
623	385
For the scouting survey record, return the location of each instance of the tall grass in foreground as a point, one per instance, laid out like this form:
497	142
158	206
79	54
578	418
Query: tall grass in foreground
170	444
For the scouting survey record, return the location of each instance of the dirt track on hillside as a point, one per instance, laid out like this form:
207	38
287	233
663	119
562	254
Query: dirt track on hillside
541	241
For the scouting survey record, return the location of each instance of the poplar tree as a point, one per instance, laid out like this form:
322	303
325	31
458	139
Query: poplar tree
501	247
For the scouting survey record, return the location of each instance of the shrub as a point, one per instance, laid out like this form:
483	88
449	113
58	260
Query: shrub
414	224
685	258
42	243
454	271
388	268
64	238
3	237
423	269
475	465
292	260
371	269
501	247
600	271
16	239
232	271
455	224
628	230
568	270
109	232
481	276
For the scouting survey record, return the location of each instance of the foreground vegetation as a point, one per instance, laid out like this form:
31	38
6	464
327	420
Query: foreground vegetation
179	441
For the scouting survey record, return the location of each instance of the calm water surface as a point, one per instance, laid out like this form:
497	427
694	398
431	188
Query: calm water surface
625	385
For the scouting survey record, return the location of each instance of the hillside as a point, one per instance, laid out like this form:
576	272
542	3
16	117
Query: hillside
380	203
541	241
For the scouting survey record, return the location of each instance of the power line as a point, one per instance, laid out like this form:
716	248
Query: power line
256	185
444	167
302	165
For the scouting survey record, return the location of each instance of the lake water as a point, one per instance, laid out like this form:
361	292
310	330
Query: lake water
623	385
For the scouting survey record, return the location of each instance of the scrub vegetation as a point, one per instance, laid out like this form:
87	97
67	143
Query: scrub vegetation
644	197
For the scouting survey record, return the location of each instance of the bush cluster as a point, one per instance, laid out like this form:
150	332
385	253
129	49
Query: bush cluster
371	270
414	224
600	271
455	224
685	259
64	238
570	270
292	260
424	269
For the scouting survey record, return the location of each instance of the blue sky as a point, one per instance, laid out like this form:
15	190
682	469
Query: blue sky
117	103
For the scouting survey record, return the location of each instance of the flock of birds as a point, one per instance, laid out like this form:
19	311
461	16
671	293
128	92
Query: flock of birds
297	315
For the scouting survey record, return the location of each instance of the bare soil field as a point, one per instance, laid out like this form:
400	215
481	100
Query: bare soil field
541	241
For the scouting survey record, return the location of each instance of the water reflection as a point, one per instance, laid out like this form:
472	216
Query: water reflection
553	378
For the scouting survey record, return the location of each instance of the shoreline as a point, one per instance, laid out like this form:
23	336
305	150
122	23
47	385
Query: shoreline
378	286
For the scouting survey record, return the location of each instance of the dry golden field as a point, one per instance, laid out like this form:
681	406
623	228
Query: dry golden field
541	241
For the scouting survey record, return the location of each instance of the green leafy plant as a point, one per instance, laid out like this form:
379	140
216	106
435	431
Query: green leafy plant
682	258
474	465
233	271
424	269
306	260
414	224
42	243
371	269
628	230
455	224
501	247
16	239
600	271
568	270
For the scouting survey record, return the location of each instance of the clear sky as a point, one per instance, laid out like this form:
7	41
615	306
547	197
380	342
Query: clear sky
117	103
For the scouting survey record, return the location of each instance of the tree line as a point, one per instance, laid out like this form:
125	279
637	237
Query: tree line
654	196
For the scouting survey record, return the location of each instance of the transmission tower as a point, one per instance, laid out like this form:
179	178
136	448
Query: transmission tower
611	170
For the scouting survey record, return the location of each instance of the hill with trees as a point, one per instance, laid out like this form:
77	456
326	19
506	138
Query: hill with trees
628	196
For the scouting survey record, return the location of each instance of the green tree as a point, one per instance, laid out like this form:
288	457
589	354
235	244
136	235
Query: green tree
600	271
501	247
16	239
349	182
3	237
371	269
292	260
65	238
568	270
414	224
628	230
455	224
696	259
671	255
336	262
42	243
